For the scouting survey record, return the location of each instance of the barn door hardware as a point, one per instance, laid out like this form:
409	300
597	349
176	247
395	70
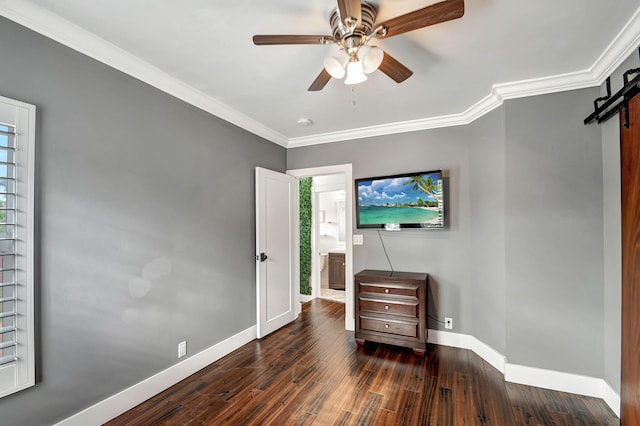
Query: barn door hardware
607	106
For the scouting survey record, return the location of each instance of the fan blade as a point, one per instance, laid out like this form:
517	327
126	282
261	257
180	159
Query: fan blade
430	15
351	8
394	69
321	80
261	40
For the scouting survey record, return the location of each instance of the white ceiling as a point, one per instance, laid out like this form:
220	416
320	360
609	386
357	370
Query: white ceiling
202	52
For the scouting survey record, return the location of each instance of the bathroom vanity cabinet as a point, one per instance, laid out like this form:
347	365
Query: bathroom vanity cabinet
336	271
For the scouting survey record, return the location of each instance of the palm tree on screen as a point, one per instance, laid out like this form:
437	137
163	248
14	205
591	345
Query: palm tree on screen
428	186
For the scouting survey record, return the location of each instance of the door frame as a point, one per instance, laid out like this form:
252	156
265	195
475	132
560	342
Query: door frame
347	171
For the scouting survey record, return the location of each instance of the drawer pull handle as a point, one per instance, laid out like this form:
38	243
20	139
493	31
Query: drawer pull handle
386	307
386	290
386	326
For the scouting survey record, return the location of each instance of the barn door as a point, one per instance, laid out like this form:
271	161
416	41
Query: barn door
630	193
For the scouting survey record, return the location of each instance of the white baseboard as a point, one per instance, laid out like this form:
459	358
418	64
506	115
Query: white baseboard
564	382
466	341
531	376
493	357
554	380
447	338
121	402
350	324
305	298
611	397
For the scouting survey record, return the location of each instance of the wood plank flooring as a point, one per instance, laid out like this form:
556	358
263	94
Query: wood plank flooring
311	372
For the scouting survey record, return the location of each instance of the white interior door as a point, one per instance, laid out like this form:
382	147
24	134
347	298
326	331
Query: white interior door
276	231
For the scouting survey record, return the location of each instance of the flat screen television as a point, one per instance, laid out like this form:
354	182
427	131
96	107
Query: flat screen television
408	200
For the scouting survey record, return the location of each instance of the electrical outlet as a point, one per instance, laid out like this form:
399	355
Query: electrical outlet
357	239
448	323
182	349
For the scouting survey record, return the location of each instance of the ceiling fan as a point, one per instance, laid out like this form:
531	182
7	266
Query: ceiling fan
354	25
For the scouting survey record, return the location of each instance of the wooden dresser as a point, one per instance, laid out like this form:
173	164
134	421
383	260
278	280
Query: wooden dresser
391	307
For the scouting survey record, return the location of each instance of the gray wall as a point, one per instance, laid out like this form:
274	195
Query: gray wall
146	227
444	254
554	229
487	262
145	212
521	266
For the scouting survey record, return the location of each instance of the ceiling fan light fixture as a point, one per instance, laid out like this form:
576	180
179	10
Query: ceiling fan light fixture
335	63
355	73
372	58
354	24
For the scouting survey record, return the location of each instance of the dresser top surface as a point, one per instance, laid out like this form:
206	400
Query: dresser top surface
422	276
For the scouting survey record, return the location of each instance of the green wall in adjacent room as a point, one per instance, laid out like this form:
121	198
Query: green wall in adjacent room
305	235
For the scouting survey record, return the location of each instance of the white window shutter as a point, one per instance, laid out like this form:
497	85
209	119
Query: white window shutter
17	149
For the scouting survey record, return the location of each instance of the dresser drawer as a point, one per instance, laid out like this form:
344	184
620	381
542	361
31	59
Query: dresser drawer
390	289
391	326
407	309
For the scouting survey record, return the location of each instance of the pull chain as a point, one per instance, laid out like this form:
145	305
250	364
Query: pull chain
353	96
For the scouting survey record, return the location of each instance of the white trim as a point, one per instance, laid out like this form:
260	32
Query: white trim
616	52
316	273
295	243
121	402
56	28
531	376
623	45
611	397
466	341
486	352
564	382
306	298
555	380
50	25
447	338
20	375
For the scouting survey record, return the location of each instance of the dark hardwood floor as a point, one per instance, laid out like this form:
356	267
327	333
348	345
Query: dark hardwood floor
312	372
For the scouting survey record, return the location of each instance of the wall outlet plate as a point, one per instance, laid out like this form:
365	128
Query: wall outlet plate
357	239
448	323
182	349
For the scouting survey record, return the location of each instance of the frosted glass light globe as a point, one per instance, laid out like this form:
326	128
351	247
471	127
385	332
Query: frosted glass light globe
371	58
335	63
355	73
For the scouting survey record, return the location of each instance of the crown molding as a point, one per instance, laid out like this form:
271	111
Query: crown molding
616	52
56	28
52	26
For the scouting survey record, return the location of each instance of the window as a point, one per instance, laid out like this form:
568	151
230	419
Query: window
17	143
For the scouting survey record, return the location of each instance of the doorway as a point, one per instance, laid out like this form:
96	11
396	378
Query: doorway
329	237
338	178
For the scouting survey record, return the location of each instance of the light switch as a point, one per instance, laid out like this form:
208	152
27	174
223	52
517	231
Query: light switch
357	239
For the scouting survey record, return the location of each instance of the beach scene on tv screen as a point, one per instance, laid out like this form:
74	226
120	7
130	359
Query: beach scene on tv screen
404	200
